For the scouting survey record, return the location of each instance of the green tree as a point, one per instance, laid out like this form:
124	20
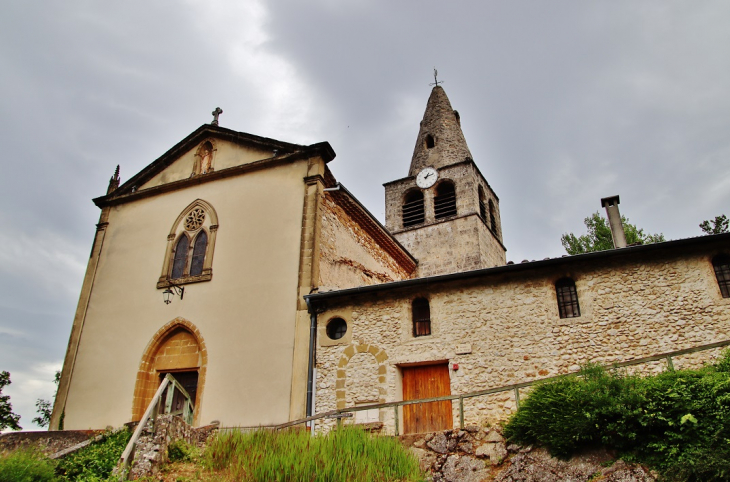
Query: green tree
7	418
719	225
599	236
44	408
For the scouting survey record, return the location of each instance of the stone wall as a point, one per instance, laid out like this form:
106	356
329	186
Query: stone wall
151	448
505	328
47	442
478	454
456	243
350	256
443	124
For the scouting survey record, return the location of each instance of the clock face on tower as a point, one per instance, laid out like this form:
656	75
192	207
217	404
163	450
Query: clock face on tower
427	178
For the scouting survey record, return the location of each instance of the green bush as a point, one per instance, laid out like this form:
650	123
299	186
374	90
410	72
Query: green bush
181	451
678	421
347	454
96	461
26	466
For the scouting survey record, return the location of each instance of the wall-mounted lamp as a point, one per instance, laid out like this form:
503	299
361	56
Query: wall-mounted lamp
171	291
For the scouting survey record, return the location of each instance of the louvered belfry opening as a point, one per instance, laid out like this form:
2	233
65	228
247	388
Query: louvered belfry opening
421	317
444	204
482	205
413	212
492	219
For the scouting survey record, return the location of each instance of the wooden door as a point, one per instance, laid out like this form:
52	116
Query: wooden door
189	381
426	382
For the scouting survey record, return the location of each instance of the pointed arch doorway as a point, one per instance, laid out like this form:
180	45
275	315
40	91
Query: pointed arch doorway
177	348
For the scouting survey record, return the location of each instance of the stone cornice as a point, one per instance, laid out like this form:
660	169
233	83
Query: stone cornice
444	168
287	152
118	197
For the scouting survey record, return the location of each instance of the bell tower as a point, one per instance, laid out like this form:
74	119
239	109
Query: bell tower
445	213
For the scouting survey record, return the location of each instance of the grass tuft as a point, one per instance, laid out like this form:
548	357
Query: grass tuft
26	465
349	454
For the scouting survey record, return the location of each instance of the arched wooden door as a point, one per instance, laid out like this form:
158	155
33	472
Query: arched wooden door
177	349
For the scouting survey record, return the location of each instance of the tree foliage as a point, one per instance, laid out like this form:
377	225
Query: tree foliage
7	418
719	225
44	408
599	236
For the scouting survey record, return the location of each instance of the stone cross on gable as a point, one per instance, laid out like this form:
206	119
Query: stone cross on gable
218	111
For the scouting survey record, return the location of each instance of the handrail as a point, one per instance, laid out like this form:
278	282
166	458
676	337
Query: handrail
504	388
152	412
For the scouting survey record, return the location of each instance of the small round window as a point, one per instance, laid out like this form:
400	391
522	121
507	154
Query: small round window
336	328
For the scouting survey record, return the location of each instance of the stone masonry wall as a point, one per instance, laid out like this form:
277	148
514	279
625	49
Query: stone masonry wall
442	122
151	448
506	329
478	454
457	243
349	255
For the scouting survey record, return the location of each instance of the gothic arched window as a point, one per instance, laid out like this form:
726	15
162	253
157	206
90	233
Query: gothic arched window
721	263
444	203
421	317
196	261
190	245
413	212
567	298
180	259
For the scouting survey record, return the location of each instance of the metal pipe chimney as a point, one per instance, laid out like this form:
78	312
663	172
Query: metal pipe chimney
614	221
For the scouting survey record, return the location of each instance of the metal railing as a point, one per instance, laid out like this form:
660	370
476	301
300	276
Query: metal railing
339	414
154	409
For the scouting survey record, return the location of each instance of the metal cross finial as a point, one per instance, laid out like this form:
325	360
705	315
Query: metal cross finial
218	111
435	77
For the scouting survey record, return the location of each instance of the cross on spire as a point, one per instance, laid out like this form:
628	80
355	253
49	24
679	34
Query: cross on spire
436	82
218	111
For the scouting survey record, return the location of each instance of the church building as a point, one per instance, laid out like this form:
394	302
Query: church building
239	265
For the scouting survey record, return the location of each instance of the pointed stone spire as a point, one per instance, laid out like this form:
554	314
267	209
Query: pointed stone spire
114	181
440	140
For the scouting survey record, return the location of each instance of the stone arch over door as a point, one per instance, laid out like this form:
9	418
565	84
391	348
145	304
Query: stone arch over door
376	358
177	346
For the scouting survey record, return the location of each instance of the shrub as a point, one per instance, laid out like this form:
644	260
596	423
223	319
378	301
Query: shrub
569	413
678	421
181	451
347	454
95	461
26	466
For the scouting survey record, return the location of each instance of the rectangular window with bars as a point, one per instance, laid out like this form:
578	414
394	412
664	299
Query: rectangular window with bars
567	299
421	317
721	264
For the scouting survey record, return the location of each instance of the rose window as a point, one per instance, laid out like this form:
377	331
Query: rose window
195	219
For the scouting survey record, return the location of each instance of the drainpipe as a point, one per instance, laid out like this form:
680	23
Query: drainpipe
614	220
310	369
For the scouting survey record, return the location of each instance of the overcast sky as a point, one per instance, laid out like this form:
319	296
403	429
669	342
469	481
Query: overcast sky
561	102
